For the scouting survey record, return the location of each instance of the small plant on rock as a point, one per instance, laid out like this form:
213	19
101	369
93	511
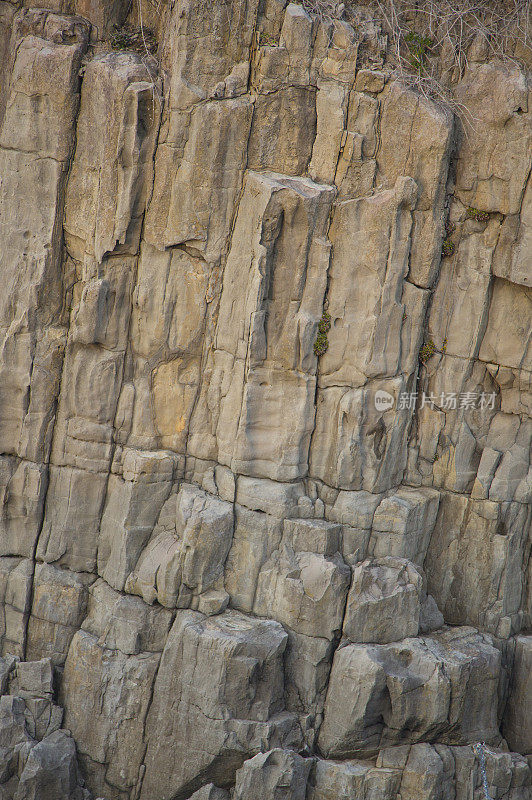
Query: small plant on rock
324	325
478	216
133	40
266	39
449	28
427	351
418	47
448	246
321	345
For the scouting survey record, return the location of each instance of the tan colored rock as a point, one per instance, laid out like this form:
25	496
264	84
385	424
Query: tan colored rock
296	37
31	369
125	623
331	110
504	469
58	609
213	602
182	563
510	259
305	591
347	130
278	774
416	135
428	772
283	130
461	299
168	324
102	315
514	386
87	405
83	435
268	237
35	678
169	303
313	536
278	499
517	726
334	779
106	192
210	792
196	54
513	305
336	52
36	138
404	692
491	171
200	68
366	340
308	663
452	435
369	80
35	144
365	336
384	601
23	488
15	598
472	564
356	167
102	13
76	499
226	722
189	205
49	70
403	524
170	440
133	502
7	12
255	538
353	441
101	685
355	509
285	47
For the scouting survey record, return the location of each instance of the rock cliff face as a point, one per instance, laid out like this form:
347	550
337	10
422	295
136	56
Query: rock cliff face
265	472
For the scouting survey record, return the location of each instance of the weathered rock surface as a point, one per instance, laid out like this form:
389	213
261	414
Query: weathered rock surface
517	724
37	756
439	688
178	566
265	408
221	679
279	773
417	772
387	602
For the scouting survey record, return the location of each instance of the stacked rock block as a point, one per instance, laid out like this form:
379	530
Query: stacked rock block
250	579
37	755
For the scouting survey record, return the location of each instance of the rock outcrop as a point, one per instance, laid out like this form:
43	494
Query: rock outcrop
37	755
265	410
